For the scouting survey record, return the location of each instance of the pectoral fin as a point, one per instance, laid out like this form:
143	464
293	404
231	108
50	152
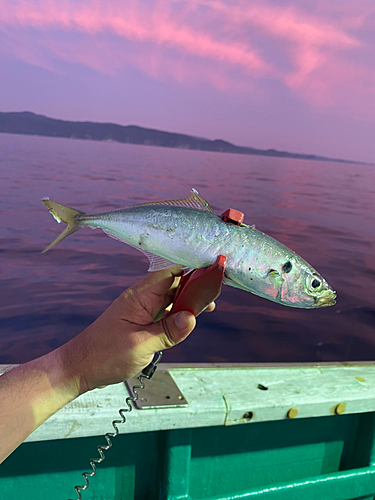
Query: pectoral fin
234	284
276	279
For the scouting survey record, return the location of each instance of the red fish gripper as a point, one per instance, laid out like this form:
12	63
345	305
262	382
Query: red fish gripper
201	287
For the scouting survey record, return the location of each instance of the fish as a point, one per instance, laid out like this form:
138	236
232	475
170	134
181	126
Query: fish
187	232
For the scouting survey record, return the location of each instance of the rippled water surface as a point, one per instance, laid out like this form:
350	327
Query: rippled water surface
324	211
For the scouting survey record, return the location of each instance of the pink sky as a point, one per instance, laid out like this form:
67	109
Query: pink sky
290	75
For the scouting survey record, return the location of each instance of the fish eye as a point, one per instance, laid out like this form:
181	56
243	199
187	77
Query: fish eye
315	283
287	267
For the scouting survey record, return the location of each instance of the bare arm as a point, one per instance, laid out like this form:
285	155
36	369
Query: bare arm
116	347
29	395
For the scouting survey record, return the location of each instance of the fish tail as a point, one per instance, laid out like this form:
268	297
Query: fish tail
63	214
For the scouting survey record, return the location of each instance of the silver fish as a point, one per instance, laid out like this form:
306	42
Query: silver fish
189	233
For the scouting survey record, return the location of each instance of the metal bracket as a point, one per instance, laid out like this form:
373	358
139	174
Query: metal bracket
159	392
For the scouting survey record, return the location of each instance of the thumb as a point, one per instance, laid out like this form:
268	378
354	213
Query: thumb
173	329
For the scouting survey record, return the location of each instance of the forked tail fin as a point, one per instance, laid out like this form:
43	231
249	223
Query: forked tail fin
63	214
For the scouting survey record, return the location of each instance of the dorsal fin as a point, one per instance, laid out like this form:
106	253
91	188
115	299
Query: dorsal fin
194	200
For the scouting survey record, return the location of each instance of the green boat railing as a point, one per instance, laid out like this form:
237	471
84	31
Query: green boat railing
211	432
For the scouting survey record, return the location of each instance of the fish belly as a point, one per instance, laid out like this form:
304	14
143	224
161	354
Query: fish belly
192	238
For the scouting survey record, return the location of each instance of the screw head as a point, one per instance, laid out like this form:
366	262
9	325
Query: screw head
340	408
292	413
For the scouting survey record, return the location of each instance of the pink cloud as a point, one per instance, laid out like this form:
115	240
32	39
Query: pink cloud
132	23
307	39
321	48
314	55
285	22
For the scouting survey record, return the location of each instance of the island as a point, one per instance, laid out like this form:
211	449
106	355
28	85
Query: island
29	123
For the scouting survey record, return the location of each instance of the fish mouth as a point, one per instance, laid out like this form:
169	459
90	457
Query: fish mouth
327	298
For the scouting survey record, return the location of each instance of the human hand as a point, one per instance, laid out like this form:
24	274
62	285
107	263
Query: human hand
123	340
117	346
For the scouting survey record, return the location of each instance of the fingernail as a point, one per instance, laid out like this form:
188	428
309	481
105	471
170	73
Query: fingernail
182	320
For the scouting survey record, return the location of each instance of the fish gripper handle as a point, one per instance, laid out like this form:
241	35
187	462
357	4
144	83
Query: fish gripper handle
201	287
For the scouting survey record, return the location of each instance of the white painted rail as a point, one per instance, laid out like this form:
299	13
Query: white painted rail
225	395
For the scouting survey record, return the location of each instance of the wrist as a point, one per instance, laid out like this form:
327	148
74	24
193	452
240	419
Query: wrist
70	378
57	383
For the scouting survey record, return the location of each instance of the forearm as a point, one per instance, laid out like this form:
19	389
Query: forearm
117	346
30	394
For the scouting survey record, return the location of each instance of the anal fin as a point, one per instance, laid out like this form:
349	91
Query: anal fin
157	263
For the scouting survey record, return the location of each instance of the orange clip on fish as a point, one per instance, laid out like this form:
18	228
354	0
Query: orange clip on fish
199	288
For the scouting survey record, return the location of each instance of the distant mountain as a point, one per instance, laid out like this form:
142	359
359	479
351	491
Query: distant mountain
32	124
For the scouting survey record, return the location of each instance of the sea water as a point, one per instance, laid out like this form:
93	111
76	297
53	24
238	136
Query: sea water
325	211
